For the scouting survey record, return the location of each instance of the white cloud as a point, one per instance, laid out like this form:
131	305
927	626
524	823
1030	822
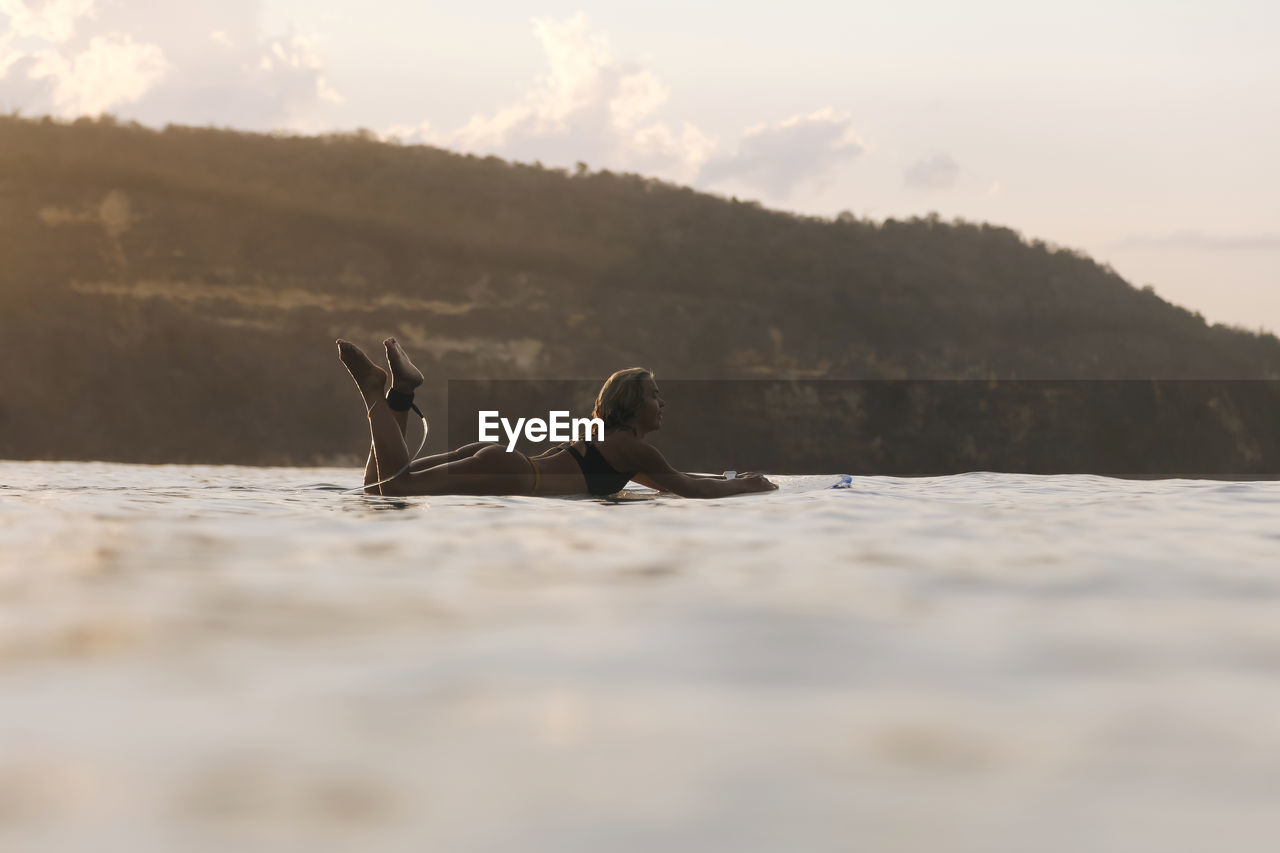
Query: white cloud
590	107
659	143
580	63
778	158
937	173
207	62
639	95
195	62
52	21
298	54
60	73
587	106
113	70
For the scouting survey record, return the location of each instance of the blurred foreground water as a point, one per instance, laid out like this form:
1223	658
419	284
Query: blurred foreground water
220	658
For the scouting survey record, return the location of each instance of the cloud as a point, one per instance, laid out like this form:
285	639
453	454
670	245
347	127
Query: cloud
780	157
54	71
112	70
586	106
1198	240
937	173
195	62
52	21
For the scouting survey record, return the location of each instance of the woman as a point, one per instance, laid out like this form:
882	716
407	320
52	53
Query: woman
629	404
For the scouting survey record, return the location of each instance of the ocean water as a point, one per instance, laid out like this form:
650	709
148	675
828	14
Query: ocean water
222	658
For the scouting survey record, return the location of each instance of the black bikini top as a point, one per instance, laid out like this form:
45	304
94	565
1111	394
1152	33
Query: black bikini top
602	478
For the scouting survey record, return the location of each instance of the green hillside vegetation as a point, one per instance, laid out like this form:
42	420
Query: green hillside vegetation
173	295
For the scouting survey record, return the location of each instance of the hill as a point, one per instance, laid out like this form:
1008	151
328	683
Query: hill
173	295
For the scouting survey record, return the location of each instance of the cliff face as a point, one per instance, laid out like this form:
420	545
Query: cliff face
173	296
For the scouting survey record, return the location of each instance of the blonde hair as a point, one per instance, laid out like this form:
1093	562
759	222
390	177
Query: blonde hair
620	397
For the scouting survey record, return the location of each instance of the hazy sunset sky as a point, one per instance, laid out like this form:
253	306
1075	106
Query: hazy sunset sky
1144	133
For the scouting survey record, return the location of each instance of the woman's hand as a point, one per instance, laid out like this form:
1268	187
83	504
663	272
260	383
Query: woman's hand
756	482
653	470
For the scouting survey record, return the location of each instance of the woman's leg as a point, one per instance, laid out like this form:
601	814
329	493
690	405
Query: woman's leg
371	466
488	469
422	463
389	451
405	377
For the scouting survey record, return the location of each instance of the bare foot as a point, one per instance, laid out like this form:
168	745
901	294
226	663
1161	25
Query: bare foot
404	376
370	379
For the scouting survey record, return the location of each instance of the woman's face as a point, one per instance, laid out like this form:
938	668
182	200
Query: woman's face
649	416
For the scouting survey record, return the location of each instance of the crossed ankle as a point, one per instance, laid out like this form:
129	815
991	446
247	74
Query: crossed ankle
399	401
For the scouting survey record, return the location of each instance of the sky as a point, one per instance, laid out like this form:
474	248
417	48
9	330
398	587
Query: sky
1145	133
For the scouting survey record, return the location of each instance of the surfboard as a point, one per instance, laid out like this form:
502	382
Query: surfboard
629	496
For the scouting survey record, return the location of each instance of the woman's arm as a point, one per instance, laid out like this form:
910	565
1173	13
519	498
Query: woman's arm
656	473
721	476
